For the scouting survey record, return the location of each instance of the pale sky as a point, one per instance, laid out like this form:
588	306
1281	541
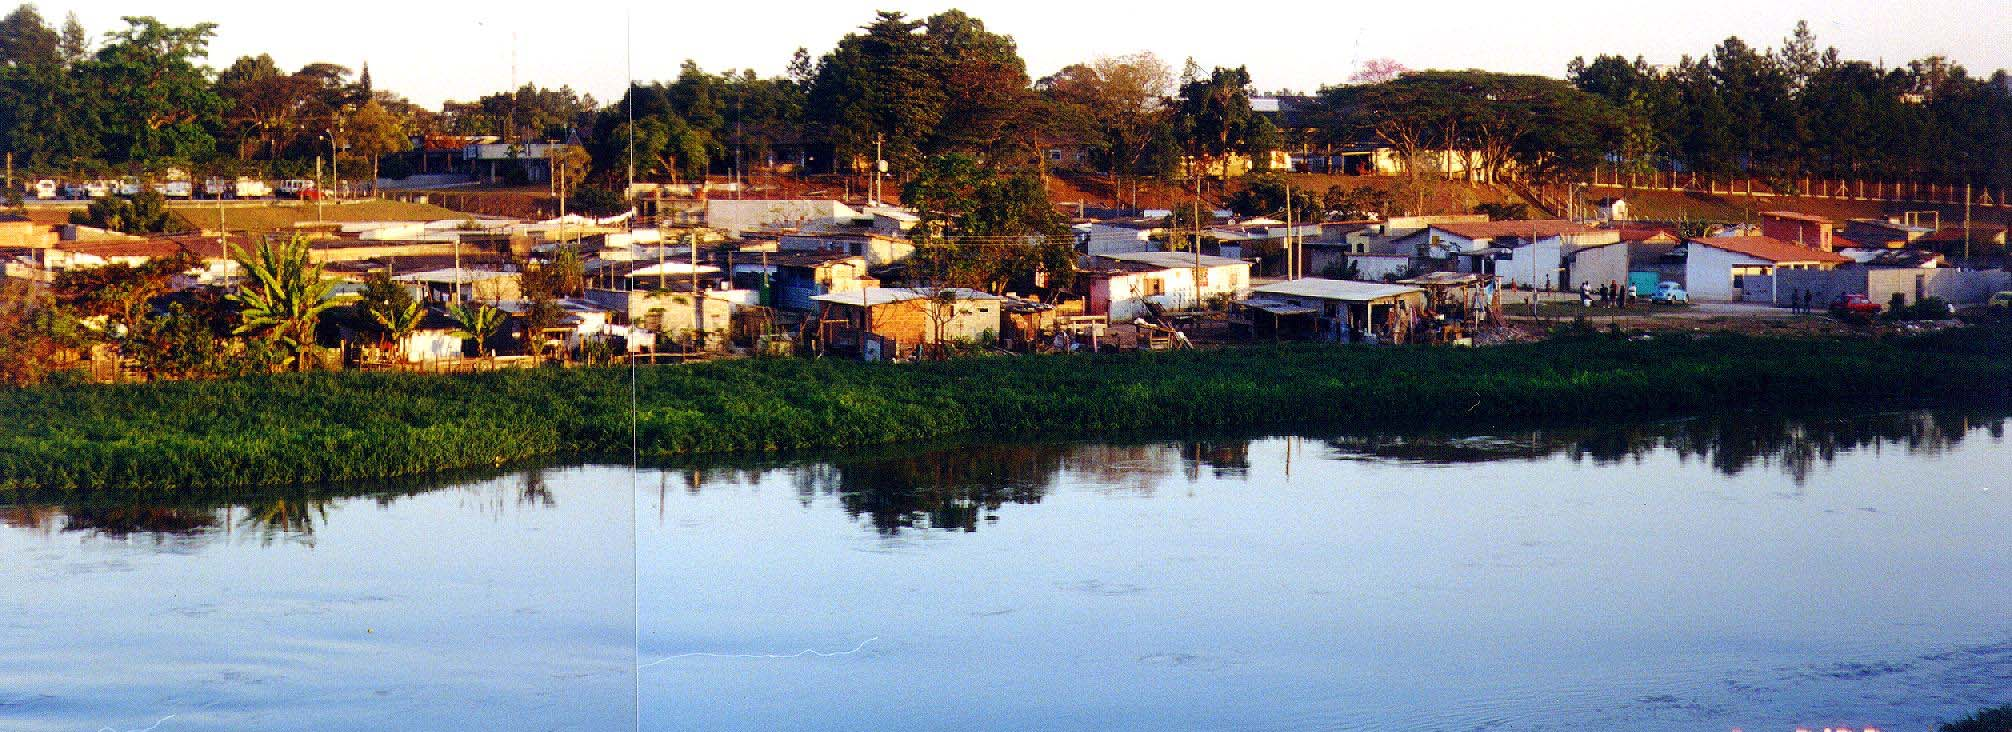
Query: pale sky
432	50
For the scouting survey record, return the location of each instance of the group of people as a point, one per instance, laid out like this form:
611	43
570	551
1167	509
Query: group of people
1802	302
1610	295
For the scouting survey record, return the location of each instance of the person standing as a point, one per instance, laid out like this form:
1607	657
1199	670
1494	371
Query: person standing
1586	294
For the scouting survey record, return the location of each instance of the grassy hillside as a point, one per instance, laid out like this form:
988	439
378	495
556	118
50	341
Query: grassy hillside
303	429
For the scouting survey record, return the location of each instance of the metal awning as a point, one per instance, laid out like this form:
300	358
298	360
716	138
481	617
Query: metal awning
1279	308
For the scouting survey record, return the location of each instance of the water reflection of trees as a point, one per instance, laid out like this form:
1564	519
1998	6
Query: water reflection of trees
266	515
963	487
1730	444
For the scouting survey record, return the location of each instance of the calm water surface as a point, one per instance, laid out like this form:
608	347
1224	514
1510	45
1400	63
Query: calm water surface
1752	572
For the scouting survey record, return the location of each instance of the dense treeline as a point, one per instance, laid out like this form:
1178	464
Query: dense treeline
141	100
307	428
1797	110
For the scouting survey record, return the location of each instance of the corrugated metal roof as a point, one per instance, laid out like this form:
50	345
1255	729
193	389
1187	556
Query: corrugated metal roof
1172	260
874	296
1326	289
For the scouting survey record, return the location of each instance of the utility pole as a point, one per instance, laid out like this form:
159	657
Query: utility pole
318	195
1966	223
1289	259
879	165
557	173
1533	269
698	295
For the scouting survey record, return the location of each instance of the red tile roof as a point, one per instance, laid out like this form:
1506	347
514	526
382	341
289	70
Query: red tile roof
1771	249
1795	216
205	247
1639	231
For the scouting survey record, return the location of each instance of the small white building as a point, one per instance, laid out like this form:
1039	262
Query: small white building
1715	268
1122	284
1526	253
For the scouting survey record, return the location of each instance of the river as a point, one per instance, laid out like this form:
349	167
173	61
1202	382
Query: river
1750	572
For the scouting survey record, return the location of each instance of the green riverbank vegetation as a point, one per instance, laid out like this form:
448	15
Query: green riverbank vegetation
284	429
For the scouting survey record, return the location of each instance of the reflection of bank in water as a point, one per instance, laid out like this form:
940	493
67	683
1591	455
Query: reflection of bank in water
963	486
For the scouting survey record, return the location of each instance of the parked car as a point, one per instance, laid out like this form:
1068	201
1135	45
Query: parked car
128	188
1670	293
174	189
97	189
1854	306
2001	301
45	189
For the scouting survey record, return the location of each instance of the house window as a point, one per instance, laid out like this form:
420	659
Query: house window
1154	286
1741	272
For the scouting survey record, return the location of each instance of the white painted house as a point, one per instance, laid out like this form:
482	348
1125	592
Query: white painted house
1527	253
1715	268
1122	284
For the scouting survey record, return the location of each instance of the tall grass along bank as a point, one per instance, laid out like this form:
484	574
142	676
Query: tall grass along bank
312	428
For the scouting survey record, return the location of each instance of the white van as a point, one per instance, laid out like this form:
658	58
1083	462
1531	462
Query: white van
45	189
249	188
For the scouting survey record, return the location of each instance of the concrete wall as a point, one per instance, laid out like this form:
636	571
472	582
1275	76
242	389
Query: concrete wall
1376	267
1880	284
1518	266
735	217
1708	272
1599	265
1956	286
1116	240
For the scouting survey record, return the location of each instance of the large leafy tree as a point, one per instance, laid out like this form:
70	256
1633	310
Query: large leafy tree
284	295
988	230
372	131
944	84
1213	119
264	105
159	101
1122	102
26	39
46	119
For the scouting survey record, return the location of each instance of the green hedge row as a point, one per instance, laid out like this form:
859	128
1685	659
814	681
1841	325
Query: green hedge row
314	428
